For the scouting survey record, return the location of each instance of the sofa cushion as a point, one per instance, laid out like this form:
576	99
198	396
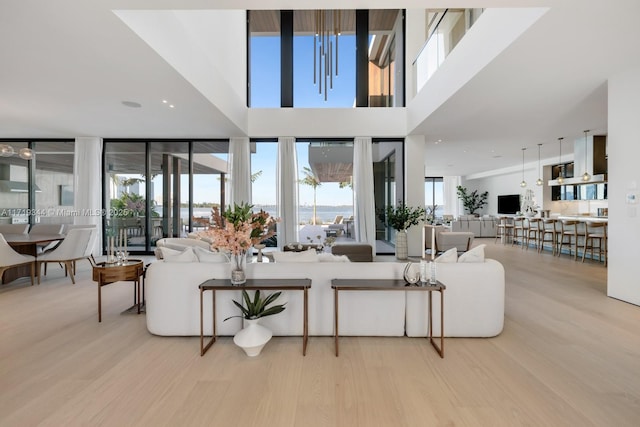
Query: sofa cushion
209	256
304	256
474	255
172	255
450	256
325	257
357	252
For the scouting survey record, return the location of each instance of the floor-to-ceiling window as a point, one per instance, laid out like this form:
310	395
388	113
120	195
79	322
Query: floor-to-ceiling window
264	58
36	186
157	189
434	197
309	58
54	190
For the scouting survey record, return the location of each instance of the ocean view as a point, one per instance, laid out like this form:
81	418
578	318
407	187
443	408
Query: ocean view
305	213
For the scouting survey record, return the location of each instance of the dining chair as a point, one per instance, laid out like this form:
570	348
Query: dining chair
73	248
9	258
46	229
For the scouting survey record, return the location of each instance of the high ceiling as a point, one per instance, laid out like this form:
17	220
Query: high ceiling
68	65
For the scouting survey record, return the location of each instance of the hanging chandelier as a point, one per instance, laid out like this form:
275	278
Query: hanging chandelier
561	177
523	183
325	49
8	151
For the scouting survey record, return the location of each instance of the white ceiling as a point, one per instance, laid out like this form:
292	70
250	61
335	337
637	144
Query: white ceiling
68	65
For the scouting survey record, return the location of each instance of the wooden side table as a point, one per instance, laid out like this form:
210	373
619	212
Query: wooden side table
214	285
130	271
392	285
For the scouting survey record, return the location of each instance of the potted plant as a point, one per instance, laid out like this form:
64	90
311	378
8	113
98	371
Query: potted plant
255	336
400	218
472	201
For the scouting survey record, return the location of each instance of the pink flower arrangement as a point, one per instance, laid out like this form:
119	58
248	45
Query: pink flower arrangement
237	229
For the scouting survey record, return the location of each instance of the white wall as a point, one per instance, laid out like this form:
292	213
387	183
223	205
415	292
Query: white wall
624	181
327	122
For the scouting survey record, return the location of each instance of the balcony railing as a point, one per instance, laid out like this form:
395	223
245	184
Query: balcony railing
445	28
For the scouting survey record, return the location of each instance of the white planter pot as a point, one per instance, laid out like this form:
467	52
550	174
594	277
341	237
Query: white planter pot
402	251
253	337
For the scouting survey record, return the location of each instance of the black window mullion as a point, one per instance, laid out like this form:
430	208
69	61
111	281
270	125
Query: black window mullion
286	58
362	58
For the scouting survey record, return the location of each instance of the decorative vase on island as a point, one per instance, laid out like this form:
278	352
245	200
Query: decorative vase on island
253	337
402	251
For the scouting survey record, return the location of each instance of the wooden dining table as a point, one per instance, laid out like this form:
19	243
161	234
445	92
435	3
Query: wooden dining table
26	244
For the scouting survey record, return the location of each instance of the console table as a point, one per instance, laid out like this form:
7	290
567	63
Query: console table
392	285
214	285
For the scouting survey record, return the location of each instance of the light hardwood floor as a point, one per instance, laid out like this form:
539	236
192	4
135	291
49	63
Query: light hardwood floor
568	356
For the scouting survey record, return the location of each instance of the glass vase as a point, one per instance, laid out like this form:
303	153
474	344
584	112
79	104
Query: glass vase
238	267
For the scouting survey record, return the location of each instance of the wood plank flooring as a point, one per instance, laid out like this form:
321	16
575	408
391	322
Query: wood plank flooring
568	356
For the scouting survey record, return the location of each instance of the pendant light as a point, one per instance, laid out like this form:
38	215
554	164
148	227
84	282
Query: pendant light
523	183
561	177
585	176
539	181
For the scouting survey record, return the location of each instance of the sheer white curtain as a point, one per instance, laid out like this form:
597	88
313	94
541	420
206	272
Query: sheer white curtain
287	191
451	202
363	205
87	184
239	171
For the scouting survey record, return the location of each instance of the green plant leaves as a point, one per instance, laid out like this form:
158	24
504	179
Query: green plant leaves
257	307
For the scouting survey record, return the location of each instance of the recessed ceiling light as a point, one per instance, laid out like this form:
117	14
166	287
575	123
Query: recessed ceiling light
131	104
164	101
171	106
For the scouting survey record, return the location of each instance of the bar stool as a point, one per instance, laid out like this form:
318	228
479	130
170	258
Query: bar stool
595	232
518	230
531	229
548	232
504	231
572	231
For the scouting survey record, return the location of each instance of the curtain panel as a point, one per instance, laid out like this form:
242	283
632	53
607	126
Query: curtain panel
363	196
87	177
239	171
287	191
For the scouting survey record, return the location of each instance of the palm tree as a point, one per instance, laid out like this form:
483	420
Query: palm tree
311	180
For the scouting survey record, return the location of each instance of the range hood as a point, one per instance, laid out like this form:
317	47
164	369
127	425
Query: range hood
594	161
7	185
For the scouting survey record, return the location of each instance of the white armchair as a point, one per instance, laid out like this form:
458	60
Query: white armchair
76	246
445	239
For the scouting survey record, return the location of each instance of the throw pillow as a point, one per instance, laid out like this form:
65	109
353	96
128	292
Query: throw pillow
325	257
172	255
449	256
210	256
473	255
304	256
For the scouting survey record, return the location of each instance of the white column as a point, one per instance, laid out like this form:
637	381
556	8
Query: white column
624	184
87	177
414	155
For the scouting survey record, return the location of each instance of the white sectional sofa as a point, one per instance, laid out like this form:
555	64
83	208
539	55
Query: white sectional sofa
474	300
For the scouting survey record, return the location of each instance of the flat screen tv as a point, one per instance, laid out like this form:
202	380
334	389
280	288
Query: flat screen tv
508	204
